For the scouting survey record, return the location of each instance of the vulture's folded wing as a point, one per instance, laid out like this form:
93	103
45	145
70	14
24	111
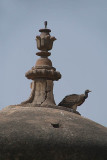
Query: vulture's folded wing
69	100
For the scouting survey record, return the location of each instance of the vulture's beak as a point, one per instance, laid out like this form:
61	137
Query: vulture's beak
90	91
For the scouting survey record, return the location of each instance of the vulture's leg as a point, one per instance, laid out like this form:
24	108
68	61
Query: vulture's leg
74	107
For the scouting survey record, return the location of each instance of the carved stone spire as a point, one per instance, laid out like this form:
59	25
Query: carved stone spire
43	73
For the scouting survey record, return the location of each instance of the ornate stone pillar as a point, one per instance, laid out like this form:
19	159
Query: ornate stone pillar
43	73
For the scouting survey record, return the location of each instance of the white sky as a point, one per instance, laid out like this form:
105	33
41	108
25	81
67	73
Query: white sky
80	52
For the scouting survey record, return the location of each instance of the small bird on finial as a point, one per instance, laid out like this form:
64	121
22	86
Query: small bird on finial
74	100
45	23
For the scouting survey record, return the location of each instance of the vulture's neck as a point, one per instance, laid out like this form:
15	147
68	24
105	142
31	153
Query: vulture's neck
86	95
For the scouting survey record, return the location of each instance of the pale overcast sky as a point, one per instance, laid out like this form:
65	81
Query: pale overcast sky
80	52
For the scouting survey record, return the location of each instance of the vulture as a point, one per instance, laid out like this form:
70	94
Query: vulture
74	100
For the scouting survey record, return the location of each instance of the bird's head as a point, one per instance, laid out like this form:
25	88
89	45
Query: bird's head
87	91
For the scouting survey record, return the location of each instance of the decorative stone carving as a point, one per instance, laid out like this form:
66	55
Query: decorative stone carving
44	41
43	73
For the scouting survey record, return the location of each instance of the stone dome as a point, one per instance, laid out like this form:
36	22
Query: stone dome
37	133
38	129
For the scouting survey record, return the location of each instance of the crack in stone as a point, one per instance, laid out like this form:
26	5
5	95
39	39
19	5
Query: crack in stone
42	96
46	92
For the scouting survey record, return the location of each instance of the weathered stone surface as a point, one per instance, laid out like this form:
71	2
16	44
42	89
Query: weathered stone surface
37	133
41	94
44	62
45	41
43	73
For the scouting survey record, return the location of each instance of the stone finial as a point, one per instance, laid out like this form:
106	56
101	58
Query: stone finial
45	41
43	73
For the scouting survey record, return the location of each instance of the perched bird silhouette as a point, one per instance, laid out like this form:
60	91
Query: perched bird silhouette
74	100
45	23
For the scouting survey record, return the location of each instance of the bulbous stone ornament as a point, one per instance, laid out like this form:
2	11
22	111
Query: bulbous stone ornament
45	41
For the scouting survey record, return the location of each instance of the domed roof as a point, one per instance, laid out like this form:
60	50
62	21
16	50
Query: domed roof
38	133
38	129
